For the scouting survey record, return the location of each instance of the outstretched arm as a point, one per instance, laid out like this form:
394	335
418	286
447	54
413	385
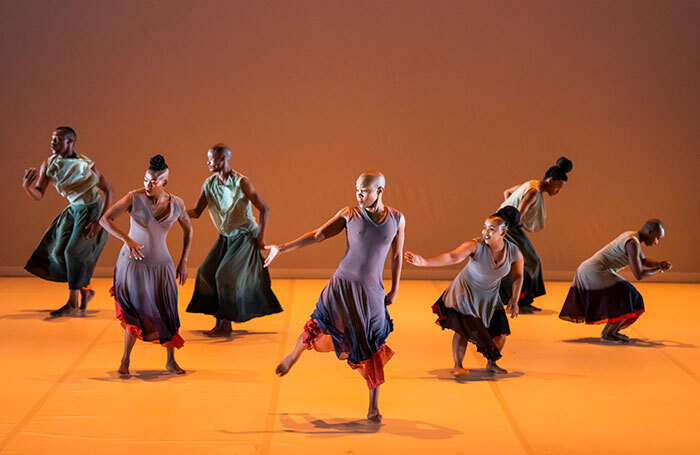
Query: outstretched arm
181	271
509	191
330	228
121	207
259	204
199	206
35	182
637	259
452	257
517	274
396	261
93	228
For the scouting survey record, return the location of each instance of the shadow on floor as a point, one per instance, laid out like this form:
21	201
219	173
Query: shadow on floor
633	342
475	375
255	337
44	315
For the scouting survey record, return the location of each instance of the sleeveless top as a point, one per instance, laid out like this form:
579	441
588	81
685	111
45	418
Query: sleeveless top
600	270
533	220
474	291
229	208
74	178
367	246
148	231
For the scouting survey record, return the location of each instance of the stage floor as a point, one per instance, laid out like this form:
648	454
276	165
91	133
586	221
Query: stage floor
566	393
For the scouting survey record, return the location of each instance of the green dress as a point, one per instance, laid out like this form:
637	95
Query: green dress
64	253
232	283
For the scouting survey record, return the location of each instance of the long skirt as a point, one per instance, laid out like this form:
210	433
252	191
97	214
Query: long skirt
351	318
618	302
146	301
232	283
533	283
64	253
473	329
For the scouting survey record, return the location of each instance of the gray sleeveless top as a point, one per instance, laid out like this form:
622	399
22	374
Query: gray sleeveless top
367	246
600	270
474	291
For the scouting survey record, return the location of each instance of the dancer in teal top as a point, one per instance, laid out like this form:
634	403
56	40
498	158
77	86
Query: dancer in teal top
232	283
72	244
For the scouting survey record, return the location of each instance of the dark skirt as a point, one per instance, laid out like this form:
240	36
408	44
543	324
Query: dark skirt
232	283
473	329
605	306
533	283
64	253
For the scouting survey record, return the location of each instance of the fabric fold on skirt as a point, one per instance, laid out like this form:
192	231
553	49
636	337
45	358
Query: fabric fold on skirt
533	283
602	306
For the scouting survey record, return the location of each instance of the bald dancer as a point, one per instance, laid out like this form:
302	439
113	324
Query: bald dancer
599	295
351	316
74	241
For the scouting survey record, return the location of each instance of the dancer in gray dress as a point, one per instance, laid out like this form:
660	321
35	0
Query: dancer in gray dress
471	305
145	287
351	316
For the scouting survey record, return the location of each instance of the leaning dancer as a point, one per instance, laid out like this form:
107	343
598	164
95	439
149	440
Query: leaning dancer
528	198
71	246
145	287
471	306
351	315
599	295
231	283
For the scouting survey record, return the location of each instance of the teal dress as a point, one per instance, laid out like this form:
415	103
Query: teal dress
64	253
232	283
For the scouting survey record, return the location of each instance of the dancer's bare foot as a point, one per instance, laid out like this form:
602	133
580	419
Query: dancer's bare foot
67	310
221	331
493	368
85	296
526	309
459	371
622	337
374	416
285	365
174	368
124	369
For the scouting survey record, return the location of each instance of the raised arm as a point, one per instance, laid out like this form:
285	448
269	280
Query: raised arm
121	207
517	273
35	182
186	225
451	257
509	191
93	228
330	228
396	261
637	259
201	204
257	201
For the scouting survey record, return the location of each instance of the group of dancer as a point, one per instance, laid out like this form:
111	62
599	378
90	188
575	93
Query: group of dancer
351	315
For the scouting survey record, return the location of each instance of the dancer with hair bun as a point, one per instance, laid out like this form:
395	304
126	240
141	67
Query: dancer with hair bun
145	286
599	295
471	305
528	198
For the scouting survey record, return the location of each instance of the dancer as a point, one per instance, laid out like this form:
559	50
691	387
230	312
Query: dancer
72	244
599	295
528	198
471	305
232	283
351	316
145	287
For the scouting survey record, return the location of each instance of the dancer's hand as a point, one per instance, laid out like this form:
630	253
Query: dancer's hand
390	297
134	249
92	229
273	252
181	272
415	259
30	176
665	266
513	308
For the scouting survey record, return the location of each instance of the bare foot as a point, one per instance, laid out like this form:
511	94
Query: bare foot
285	365
66	310
174	368
219	331
622	337
459	371
374	416
124	370
606	338
526	309
85	296
493	368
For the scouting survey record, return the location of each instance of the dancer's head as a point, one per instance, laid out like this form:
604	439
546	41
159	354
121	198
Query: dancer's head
496	226
63	140
218	157
555	177
156	176
369	188
652	231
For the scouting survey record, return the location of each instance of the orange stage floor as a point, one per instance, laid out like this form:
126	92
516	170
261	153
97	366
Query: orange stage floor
566	393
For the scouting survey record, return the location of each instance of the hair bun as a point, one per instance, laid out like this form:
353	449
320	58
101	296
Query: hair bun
157	163
565	164
509	214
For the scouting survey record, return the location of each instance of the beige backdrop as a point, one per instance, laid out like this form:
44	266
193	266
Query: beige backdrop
453	100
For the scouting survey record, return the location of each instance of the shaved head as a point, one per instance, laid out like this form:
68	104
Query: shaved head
372	178
67	131
221	150
653	226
